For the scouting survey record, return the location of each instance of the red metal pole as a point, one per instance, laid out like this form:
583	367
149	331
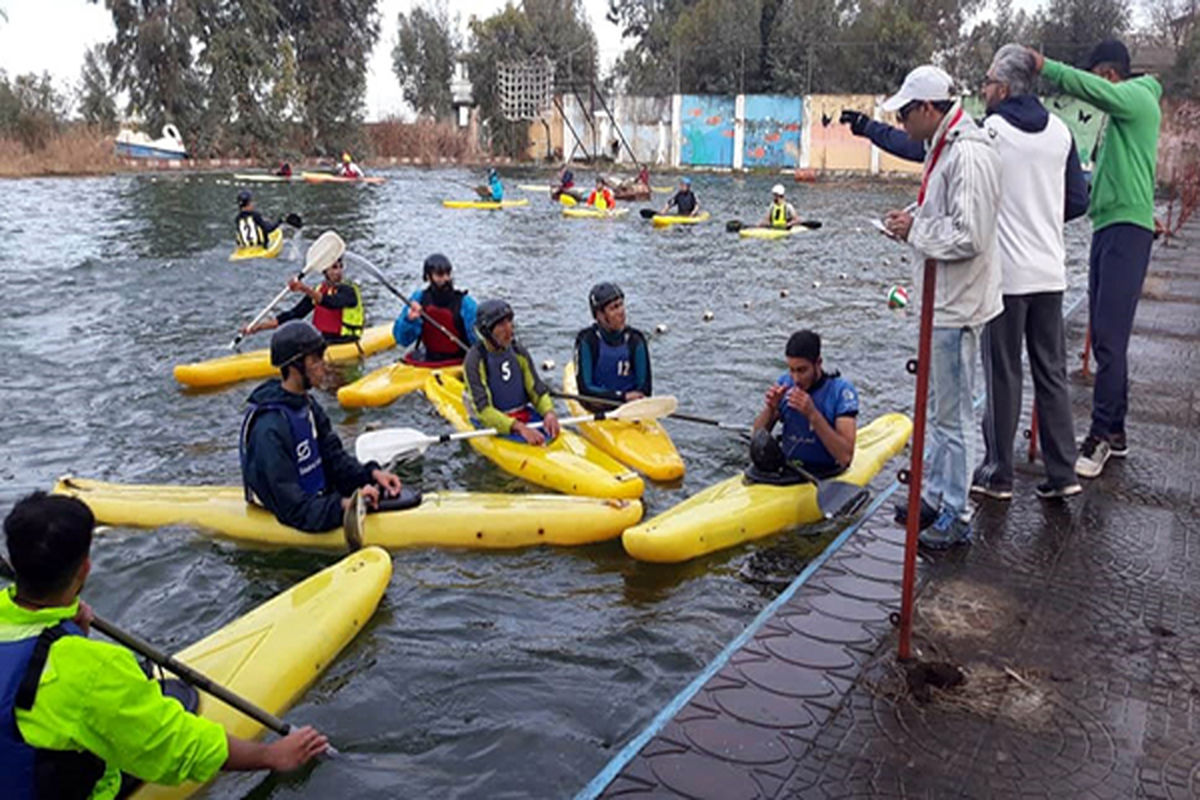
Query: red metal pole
1033	433
917	464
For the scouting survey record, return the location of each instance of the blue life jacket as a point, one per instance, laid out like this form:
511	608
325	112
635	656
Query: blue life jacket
613	364
305	450
505	380
834	397
32	773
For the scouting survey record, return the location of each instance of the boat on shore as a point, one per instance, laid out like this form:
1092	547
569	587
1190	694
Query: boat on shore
135	144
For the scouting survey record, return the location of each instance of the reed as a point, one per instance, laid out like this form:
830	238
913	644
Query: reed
424	140
74	150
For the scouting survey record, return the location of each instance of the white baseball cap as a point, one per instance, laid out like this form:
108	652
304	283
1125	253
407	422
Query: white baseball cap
777	189
926	82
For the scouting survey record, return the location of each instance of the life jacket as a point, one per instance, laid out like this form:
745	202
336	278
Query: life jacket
341	322
439	346
506	381
249	232
306	452
33	773
779	218
612	364
601	200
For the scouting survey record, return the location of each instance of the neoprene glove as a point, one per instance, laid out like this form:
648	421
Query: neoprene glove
856	120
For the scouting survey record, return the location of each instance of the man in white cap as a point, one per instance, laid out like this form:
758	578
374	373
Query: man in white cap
953	223
782	214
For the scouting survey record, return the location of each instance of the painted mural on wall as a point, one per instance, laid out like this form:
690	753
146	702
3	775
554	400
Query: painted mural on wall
771	131
831	145
707	123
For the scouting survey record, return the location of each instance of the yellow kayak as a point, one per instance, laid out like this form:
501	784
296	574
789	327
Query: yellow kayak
487	204
274	247
257	363
443	519
735	511
645	446
329	177
382	386
273	654
769	233
568	464
667	220
594	213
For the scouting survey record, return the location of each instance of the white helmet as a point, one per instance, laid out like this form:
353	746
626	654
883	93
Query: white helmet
777	189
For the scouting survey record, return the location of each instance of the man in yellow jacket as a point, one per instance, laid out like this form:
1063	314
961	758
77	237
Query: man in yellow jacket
84	711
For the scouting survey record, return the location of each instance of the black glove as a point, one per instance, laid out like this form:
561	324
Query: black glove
856	120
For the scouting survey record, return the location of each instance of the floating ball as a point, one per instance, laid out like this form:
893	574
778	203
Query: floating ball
897	297
660	327
547	365
707	315
783	292
816	284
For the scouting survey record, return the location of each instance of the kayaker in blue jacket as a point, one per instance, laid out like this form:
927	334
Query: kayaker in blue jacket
452	308
819	410
251	229
293	464
684	201
612	359
494	186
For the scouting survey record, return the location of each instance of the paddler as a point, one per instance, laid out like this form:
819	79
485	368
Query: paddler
495	189
503	386
251	230
349	169
293	464
601	197
781	214
684	200
565	184
78	713
285	170
336	304
819	411
452	308
613	360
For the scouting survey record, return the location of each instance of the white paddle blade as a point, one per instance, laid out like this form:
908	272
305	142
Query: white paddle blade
327	249
645	408
384	445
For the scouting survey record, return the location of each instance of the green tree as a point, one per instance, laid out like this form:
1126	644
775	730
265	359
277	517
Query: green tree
970	60
96	103
1184	77
1069	29
880	46
423	59
31	109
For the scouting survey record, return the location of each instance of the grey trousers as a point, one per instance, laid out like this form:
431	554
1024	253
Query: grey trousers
1036	318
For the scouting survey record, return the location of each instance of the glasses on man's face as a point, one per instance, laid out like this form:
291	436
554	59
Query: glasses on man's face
907	109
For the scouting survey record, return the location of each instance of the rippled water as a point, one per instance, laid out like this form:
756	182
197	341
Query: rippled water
483	674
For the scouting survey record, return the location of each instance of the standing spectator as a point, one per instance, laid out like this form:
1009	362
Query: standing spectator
1042	183
1122	212
954	223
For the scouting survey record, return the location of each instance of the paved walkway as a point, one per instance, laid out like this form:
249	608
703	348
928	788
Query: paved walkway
1077	624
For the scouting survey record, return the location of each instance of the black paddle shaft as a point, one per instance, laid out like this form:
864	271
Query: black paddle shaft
388	285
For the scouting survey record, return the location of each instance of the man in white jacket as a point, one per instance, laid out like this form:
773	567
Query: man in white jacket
1043	184
953	223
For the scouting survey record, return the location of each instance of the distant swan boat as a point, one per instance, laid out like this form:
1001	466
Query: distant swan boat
136	144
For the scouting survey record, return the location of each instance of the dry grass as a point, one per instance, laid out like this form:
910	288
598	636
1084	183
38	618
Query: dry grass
423	140
75	151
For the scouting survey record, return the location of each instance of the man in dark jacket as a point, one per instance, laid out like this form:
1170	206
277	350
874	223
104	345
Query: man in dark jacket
293	464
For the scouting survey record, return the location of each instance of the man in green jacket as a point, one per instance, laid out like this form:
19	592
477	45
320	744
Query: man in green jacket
1122	212
78	713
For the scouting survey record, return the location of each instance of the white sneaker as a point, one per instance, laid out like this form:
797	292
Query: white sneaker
1093	455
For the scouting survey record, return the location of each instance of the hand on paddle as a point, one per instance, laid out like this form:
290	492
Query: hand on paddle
296	749
388	482
533	435
898	223
632	395
265	325
414	311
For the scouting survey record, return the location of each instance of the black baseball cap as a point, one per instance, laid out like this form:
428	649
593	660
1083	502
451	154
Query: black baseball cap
1110	51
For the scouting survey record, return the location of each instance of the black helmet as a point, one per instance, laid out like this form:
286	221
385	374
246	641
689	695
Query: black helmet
765	452
293	341
244	198
436	263
491	313
602	294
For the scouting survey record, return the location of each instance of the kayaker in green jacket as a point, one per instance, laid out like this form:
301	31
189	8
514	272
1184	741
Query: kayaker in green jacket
1122	212
503	386
78	713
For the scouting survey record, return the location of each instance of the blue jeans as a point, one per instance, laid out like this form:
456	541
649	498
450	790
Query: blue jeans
950	455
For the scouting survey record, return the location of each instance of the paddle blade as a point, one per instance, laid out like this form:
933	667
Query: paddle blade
838	499
648	213
353	519
567	200
733	226
327	249
384	445
645	408
811	224
294	220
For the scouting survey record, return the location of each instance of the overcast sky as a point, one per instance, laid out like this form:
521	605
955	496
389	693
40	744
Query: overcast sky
52	35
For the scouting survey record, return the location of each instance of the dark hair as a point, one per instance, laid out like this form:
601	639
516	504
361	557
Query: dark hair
48	537
804	344
1122	70
943	106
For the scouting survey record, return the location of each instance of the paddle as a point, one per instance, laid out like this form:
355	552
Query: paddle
384	445
188	674
648	213
834	498
323	252
362	261
353	520
294	220
735	225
